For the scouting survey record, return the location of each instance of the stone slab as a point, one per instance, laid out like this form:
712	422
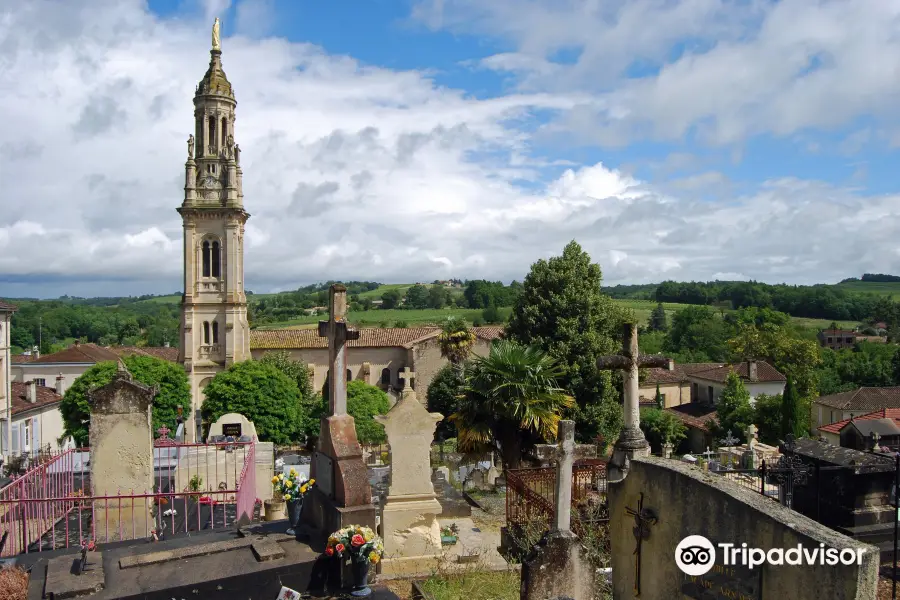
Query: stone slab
162	556
64	582
267	550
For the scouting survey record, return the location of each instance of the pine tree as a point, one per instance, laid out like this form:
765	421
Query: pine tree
790	411
660	403
658	321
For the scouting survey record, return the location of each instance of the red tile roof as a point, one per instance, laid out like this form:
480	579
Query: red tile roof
6	307
884	413
679	374
169	354
695	414
369	337
76	353
20	403
865	398
764	373
832	332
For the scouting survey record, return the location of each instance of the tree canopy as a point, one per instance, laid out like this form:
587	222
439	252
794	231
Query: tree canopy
169	377
311	407
364	401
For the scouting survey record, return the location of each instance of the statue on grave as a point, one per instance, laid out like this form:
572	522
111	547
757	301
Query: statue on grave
191	146
215	35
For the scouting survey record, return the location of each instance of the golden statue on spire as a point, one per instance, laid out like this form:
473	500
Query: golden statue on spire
215	35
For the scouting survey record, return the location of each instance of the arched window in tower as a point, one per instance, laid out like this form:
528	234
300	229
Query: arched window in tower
224	129
212	135
215	332
349	375
386	376
216	260
206	332
206	258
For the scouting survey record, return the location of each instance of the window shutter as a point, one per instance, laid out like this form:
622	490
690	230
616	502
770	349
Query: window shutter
36	434
15	438
4	437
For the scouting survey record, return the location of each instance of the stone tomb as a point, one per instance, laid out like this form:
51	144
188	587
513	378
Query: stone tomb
121	442
232	425
409	519
661	502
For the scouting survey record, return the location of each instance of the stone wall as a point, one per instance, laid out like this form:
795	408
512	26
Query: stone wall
426	361
687	501
378	358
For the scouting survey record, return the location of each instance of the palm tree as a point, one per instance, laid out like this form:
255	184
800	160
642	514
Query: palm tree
510	398
456	340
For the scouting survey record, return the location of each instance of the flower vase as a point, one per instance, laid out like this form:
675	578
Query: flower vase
294	508
360	578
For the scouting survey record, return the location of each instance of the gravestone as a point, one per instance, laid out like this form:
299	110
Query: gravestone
409	520
234	425
121	442
631	442
342	495
558	565
662	502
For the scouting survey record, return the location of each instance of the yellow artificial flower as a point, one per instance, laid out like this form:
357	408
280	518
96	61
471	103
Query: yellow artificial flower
288	483
287	496
281	476
275	479
368	535
302	489
311	481
373	558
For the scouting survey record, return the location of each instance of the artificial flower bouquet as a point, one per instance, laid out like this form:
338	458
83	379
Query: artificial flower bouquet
293	487
360	542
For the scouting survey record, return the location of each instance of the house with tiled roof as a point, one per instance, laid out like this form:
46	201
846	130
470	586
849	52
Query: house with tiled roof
852	404
36	420
758	376
377	357
673	382
68	364
857	432
698	418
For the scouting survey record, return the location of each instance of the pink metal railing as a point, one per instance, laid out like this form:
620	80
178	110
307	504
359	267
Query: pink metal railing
54	506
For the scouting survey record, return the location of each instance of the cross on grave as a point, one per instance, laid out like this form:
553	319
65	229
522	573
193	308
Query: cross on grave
338	333
407	375
708	454
751	435
565	452
789	471
644	518
729	440
631	440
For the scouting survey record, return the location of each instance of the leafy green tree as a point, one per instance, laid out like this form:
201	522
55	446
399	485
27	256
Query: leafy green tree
660	403
456	340
169	377
364	401
491	314
437	296
443	397
791	355
698	335
312	406
660	427
390	299
658	319
767	417
511	399
792	420
260	392
417	297
562	311
734	411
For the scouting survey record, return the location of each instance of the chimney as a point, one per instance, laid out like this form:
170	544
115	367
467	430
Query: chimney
60	387
671	365
751	371
32	391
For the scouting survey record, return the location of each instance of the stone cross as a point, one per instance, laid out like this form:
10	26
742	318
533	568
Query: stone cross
565	451
751	435
708	454
407	375
338	333
631	441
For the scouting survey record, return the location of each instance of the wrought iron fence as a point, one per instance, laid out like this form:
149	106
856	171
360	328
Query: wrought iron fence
530	493
195	487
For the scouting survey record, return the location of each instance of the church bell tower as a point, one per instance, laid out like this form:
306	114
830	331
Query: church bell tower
215	331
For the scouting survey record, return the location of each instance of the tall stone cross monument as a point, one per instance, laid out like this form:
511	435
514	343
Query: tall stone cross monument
343	495
560	552
631	442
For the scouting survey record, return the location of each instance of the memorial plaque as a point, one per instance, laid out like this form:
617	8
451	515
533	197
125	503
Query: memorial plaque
231	429
324	474
732	582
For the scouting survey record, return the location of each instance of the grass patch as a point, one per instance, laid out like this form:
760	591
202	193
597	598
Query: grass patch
389	318
474	585
880	288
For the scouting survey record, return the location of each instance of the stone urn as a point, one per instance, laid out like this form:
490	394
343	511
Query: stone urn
275	509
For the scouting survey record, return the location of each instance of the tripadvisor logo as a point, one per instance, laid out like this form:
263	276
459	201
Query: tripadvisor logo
695	555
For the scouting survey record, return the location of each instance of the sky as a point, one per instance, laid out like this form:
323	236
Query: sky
413	140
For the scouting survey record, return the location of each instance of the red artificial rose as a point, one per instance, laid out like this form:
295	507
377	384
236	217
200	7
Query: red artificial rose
357	540
340	547
329	551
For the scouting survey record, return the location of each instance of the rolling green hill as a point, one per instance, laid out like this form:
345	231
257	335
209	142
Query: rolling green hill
891	288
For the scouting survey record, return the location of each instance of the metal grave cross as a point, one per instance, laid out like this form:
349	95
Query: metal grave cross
565	452
729	440
644	518
338	333
631	361
407	375
163	432
708	454
790	471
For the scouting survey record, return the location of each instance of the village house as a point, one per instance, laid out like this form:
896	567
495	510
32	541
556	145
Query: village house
855	403
6	313
838	339
673	382
759	377
857	432
36	421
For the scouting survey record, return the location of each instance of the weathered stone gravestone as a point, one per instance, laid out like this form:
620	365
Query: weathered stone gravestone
121	441
343	495
232	425
559	566
662	502
409	520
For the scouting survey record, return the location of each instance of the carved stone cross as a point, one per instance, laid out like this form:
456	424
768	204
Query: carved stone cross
565	452
338	333
631	441
751	435
407	375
